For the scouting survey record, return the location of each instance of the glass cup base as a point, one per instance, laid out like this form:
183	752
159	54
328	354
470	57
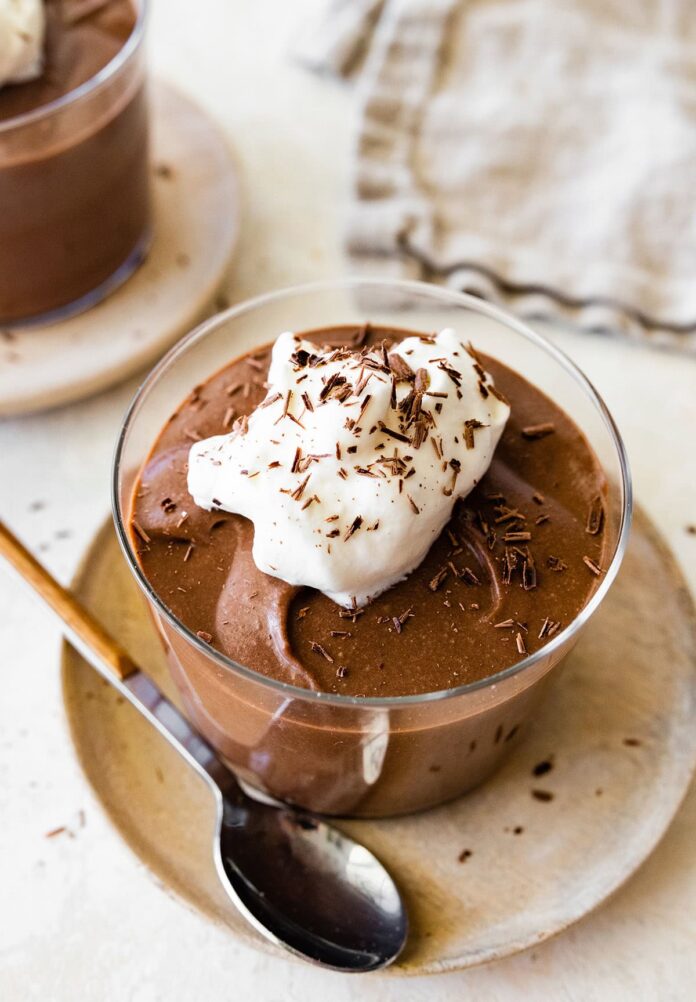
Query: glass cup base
92	298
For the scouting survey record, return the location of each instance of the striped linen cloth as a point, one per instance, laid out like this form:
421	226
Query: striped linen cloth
539	153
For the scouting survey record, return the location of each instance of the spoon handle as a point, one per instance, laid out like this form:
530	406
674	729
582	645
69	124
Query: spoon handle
65	605
107	656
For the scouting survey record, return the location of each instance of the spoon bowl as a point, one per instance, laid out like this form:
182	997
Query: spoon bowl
306	885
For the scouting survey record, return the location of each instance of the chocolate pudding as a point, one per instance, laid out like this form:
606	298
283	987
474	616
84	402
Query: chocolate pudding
74	185
519	559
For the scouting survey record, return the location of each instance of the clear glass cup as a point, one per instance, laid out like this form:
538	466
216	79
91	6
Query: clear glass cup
363	757
75	213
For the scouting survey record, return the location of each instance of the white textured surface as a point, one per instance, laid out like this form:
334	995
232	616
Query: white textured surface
79	917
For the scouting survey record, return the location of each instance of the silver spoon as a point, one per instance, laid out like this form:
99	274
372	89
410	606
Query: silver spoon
300	882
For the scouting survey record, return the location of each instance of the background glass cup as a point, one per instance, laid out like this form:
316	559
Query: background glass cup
364	757
75	192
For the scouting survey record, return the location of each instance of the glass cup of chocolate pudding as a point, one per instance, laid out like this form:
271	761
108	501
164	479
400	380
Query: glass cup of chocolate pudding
75	219
405	701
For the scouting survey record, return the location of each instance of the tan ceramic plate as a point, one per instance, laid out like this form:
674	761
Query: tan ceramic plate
196	226
618	726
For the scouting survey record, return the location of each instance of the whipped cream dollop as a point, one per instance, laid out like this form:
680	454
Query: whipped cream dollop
350	467
22	31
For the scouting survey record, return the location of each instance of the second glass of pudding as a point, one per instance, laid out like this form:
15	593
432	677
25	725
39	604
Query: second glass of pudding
418	696
75	205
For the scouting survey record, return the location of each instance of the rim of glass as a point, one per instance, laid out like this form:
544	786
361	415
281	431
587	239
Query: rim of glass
287	689
94	83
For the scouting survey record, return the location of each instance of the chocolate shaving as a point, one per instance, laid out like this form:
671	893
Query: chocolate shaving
299	490
592	565
453	374
422	381
534	431
318	649
364	406
401	369
413	504
498	395
203	635
468	575
353	527
439	578
469	427
541	768
351	614
529	575
595	517
420	433
470	350
508	515
56	831
139	531
241	425
341	671
556	564
393	434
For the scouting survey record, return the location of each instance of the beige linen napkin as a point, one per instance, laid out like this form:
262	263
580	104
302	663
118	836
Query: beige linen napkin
540	153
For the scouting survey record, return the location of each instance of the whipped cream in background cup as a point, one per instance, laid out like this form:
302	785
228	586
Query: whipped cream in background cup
343	755
75	192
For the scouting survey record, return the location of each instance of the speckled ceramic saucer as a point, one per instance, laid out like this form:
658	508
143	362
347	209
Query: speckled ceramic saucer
196	224
582	802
